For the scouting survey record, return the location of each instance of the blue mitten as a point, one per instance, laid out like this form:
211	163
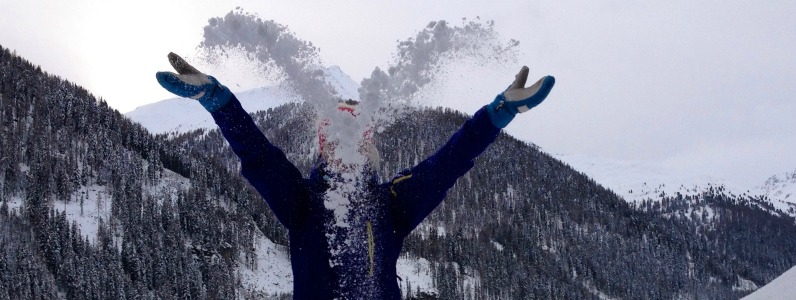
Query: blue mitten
518	99
191	83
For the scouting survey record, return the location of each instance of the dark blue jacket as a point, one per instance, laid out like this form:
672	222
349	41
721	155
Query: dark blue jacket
368	268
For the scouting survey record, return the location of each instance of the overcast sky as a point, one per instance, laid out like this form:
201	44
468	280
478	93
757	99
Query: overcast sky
699	85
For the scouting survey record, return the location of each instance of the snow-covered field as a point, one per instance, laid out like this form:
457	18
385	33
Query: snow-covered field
781	288
87	207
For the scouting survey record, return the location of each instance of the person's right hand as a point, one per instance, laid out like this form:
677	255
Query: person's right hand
190	83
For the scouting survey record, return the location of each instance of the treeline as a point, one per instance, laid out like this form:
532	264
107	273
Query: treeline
160	239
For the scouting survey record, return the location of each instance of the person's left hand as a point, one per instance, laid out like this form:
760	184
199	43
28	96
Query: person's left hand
518	99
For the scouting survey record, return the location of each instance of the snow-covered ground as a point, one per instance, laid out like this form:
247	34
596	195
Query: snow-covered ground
781	288
87	206
90	204
14	204
272	274
416	275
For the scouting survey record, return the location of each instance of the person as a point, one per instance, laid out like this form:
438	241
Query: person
324	265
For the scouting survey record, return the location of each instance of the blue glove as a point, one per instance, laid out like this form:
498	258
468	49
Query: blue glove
191	83
518	99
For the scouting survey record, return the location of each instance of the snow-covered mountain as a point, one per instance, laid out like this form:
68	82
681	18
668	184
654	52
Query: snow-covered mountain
181	115
346	87
636	181
781	191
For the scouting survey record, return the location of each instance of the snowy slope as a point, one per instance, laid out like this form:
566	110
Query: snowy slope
182	115
342	83
781	190
781	288
636	181
91	204
272	274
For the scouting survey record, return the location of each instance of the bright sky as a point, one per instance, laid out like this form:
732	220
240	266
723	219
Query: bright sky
699	85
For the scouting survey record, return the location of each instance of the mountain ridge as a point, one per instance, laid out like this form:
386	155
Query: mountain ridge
636	181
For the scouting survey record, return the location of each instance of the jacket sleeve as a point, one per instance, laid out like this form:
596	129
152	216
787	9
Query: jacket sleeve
262	164
416	192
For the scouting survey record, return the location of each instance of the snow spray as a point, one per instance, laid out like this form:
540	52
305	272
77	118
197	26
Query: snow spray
422	69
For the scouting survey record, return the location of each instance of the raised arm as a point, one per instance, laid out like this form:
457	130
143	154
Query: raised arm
262	164
418	191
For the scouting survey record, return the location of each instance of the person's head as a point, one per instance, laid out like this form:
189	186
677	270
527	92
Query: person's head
344	141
